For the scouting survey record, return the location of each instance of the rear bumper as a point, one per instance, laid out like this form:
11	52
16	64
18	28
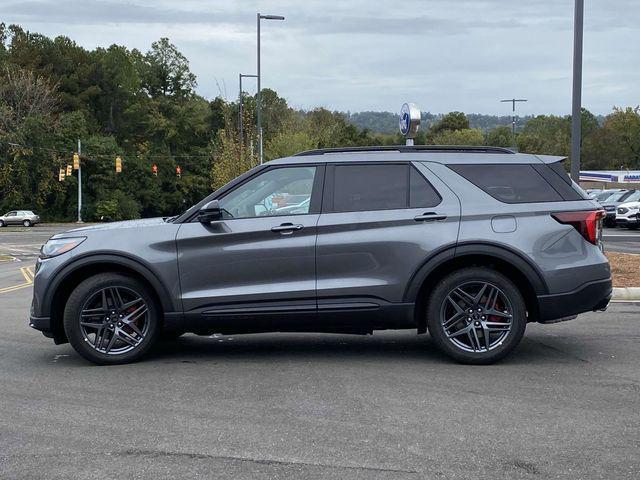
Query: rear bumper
589	297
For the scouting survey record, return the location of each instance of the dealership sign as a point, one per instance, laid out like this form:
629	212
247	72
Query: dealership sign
409	121
610	176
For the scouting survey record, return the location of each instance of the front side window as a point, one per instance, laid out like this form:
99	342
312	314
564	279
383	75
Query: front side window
11	214
279	191
365	187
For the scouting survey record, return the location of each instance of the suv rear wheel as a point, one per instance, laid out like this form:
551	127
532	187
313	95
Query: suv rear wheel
476	315
111	319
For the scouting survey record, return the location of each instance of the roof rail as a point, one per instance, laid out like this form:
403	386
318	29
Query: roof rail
408	149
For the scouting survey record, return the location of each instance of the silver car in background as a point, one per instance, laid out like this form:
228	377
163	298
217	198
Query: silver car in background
19	217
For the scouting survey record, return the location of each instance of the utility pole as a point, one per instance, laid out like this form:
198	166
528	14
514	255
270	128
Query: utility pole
79	183
259	96
240	126
513	109
576	110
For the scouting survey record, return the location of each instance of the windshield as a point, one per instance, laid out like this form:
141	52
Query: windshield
615	197
634	197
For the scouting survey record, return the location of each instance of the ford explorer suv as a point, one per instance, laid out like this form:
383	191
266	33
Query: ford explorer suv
469	244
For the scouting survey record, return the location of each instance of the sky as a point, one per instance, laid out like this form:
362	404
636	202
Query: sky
356	55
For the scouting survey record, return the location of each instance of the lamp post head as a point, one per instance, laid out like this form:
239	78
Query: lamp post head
270	17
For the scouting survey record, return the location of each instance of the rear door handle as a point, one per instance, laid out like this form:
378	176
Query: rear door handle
429	217
286	228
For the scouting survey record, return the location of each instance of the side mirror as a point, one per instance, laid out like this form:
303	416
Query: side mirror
210	212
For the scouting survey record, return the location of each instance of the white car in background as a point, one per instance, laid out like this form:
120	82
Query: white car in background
628	213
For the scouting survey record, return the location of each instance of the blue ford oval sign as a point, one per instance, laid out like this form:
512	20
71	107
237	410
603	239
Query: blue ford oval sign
409	120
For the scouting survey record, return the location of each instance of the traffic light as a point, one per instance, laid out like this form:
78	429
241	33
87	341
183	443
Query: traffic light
178	171
76	161
61	174
69	170
118	164
154	169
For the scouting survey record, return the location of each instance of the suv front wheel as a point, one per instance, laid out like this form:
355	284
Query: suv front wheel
111	319
476	315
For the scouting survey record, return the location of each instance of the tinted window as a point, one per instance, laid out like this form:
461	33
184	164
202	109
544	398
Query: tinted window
509	183
280	191
370	187
380	187
559	179
421	193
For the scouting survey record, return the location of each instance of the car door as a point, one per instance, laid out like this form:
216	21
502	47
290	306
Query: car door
12	218
256	266
380	222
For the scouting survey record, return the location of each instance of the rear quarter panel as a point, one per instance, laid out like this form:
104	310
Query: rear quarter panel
565	260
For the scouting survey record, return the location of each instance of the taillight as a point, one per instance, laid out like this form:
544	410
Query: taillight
587	223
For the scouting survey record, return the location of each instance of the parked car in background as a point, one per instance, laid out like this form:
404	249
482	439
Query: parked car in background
611	203
469	243
627	212
19	217
601	195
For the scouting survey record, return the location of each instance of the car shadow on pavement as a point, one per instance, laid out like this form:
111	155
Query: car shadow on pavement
322	347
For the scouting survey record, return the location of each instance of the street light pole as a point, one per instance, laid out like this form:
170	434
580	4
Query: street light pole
79	183
576	110
513	109
240	124
259	96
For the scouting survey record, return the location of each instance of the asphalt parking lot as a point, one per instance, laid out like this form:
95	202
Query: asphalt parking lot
564	405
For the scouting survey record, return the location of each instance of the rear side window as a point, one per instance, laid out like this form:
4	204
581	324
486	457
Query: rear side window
511	183
559	179
365	187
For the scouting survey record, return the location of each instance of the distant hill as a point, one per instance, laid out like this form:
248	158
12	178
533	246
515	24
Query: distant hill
387	122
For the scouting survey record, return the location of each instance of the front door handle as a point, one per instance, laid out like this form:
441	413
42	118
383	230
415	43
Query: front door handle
429	217
286	228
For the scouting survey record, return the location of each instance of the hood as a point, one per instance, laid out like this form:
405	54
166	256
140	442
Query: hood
142	223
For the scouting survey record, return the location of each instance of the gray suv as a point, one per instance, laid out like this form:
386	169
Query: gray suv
19	217
468	243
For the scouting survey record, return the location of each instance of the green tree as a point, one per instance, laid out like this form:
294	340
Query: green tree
450	122
499	137
165	71
468	136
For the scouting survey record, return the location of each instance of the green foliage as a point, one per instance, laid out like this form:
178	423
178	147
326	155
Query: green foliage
499	137
117	206
451	122
467	136
142	106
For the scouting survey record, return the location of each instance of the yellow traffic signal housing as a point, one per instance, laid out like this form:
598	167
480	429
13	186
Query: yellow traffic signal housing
61	175
76	161
118	164
69	170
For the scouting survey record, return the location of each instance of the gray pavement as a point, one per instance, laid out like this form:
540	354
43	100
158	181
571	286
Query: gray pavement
564	405
621	240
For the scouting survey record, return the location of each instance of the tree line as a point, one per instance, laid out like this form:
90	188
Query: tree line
143	107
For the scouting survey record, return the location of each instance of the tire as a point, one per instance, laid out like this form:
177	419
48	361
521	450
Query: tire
505	321
134	328
2	224
27	223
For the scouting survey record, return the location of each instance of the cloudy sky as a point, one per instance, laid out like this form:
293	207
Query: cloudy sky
373	55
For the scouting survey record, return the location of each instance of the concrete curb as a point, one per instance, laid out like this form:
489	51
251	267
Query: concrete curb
626	294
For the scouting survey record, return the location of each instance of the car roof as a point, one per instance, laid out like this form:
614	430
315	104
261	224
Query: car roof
446	154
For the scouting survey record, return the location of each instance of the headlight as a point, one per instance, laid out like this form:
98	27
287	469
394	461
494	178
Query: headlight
58	246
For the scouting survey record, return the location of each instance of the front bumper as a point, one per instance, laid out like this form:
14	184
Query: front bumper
630	220
43	324
589	297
